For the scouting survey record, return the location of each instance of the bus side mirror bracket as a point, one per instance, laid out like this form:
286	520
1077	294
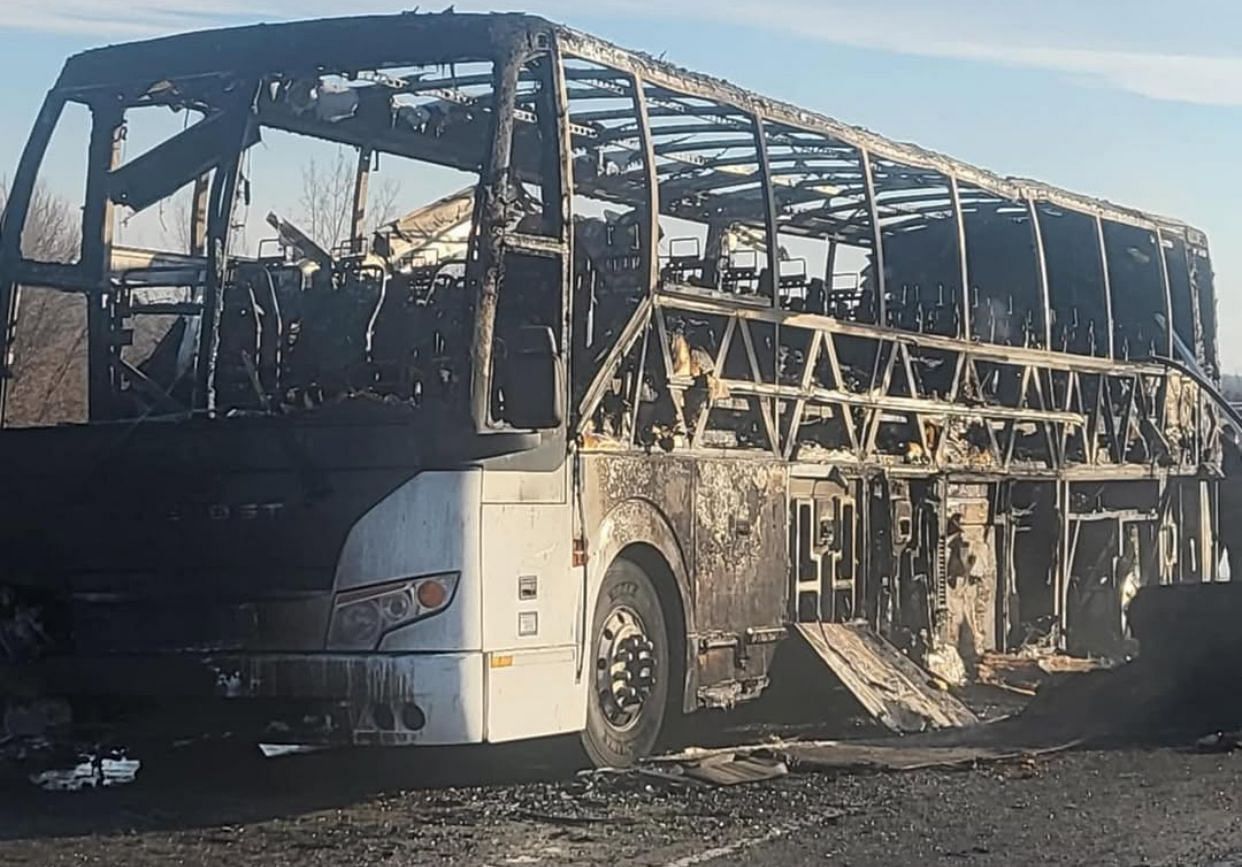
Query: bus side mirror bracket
533	380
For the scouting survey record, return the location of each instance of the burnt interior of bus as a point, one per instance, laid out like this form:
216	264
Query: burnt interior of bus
683	191
753	217
237	309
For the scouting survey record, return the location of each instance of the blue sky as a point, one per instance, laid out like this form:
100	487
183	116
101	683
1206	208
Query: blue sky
1132	100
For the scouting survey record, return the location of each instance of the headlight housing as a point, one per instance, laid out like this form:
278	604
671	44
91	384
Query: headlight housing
361	618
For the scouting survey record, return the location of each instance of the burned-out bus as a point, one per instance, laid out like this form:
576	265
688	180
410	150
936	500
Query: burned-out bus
646	374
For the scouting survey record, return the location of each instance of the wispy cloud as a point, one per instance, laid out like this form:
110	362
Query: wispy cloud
1127	45
115	19
1053	35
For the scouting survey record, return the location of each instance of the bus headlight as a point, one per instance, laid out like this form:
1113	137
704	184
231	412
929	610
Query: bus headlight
360	618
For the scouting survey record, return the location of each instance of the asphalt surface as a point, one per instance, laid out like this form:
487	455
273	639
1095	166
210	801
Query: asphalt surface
503	807
528	804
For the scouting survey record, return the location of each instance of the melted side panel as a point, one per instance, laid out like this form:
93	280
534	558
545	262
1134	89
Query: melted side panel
741	565
631	500
740	550
721	524
634	499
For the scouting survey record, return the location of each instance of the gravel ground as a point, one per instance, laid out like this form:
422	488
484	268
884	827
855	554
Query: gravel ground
527	805
497	807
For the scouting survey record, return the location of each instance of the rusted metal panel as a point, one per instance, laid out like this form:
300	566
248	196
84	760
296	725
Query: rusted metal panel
665	482
740	544
892	688
629	500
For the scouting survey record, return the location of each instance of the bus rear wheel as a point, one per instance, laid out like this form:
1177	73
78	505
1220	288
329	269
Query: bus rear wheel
629	677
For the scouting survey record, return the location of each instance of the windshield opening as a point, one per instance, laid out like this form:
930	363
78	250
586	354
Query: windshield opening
271	246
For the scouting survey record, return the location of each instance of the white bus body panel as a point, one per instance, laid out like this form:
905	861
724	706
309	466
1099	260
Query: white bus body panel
531	606
431	524
517	608
448	687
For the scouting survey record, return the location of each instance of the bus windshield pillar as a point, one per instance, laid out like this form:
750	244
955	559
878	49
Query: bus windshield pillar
219	224
494	193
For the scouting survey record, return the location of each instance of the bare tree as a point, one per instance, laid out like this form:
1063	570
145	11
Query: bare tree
49	347
327	199
327	195
175	217
52	232
384	205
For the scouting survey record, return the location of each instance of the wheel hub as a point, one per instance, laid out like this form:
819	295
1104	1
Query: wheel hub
625	667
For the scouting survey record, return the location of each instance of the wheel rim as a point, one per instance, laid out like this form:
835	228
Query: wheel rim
625	667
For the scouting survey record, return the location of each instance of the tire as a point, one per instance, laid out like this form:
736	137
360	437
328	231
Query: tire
629	636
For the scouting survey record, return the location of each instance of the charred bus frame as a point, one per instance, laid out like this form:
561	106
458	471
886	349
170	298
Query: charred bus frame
970	445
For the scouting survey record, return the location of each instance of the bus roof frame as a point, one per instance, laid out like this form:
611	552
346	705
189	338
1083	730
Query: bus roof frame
330	44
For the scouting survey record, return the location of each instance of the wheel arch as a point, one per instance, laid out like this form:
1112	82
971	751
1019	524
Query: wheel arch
637	530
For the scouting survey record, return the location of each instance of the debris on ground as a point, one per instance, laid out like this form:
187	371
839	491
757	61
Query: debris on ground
96	771
719	768
1111	807
1219	742
897	756
692	768
960	749
735	769
1075	702
1025	673
891	687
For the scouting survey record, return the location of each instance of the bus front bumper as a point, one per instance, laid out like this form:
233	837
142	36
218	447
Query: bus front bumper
381	699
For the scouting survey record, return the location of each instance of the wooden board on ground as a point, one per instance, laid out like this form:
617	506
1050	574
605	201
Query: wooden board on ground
889	685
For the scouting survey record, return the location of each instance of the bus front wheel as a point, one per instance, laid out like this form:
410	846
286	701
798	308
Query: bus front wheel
628	653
